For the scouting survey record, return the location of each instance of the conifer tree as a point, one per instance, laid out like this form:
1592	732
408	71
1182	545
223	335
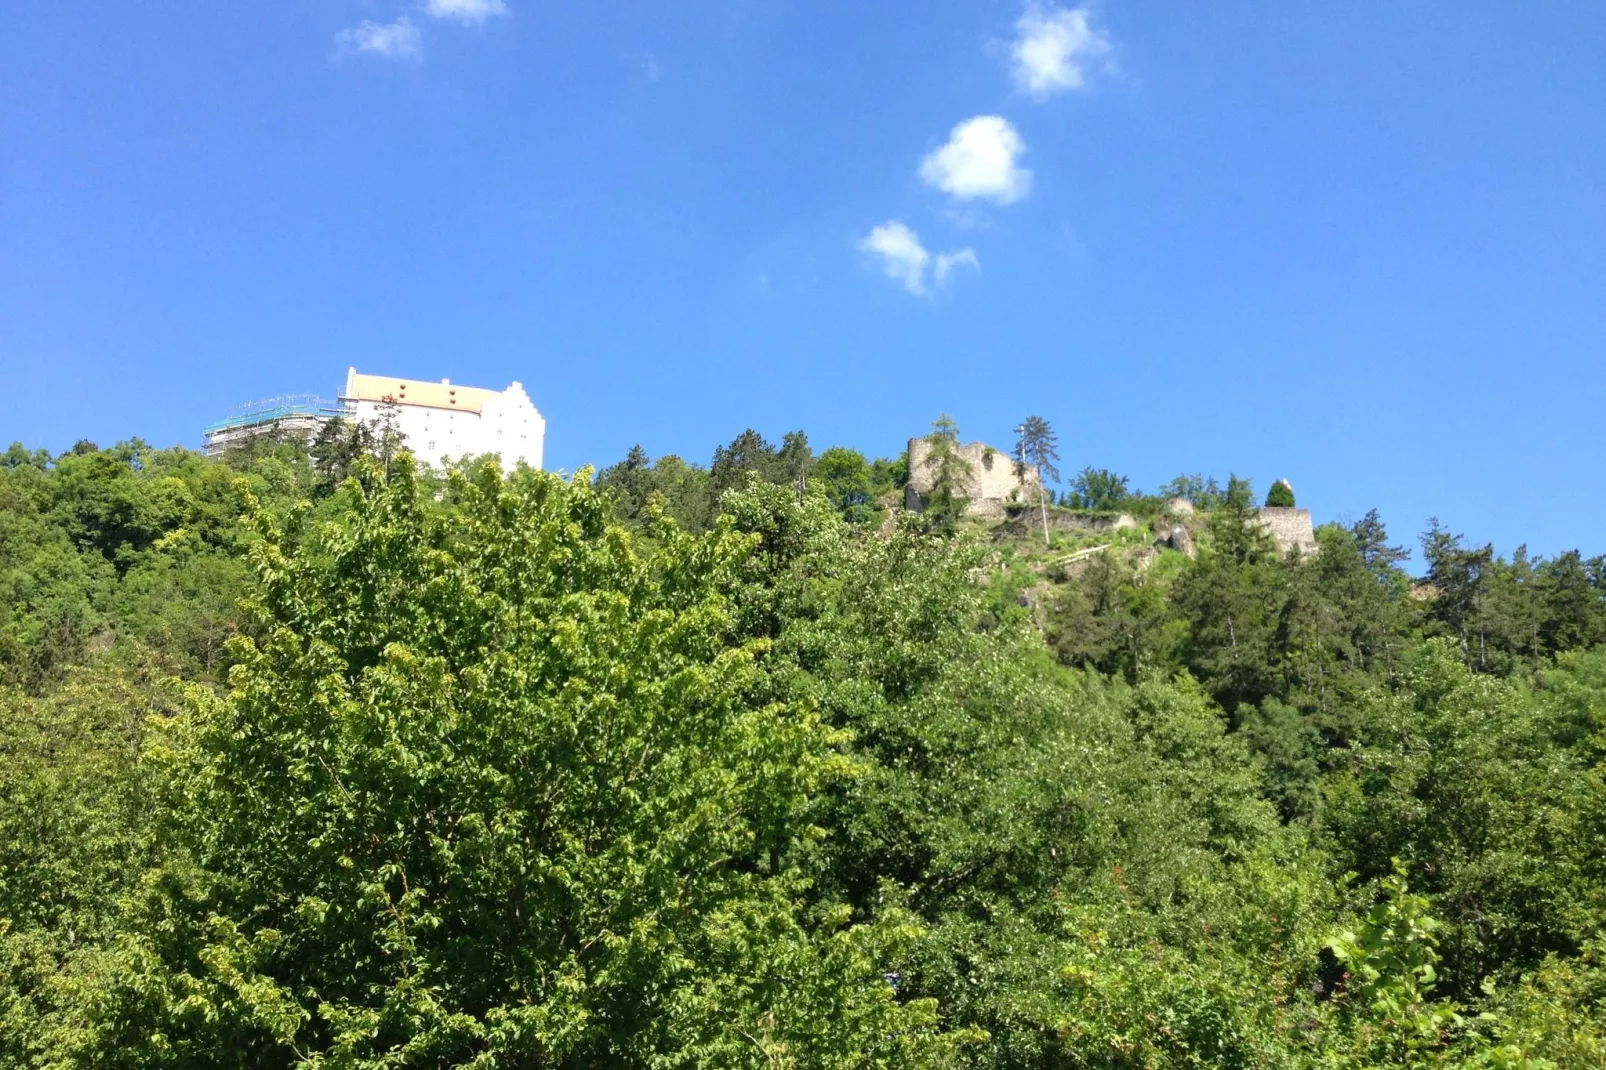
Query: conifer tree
387	434
748	453
1371	538
1036	446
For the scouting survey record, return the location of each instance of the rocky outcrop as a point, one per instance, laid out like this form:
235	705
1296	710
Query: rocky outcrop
1176	536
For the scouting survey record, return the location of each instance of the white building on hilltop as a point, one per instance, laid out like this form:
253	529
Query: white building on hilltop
441	421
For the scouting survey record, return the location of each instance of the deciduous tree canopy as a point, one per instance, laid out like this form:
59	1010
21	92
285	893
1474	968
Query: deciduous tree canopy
340	763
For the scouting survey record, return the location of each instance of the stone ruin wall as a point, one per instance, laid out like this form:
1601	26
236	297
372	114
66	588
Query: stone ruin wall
993	485
989	488
1290	528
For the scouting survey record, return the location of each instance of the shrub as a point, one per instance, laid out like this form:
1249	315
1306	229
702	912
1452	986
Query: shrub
1280	495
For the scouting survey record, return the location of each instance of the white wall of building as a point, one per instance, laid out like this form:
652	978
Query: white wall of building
507	424
511	426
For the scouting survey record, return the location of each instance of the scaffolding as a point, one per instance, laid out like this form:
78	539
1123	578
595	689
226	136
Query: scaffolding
300	415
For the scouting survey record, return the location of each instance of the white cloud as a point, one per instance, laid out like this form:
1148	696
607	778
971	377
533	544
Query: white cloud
393	40
946	262
902	256
466	10
1055	49
906	260
979	161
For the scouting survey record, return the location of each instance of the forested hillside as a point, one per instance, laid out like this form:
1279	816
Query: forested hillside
345	764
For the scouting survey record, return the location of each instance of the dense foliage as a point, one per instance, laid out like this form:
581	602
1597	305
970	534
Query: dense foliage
343	764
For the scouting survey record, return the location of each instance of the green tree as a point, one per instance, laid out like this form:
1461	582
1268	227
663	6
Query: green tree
687	491
386	432
1340	632
1391	960
1573	595
1460	579
1371	539
1098	489
1035	445
76	833
950	474
335	449
1231	598
455	769
889	475
749	454
1106	619
846	477
794	461
1281	495
492	789
629	483
1483	787
18	456
1202	492
1042	824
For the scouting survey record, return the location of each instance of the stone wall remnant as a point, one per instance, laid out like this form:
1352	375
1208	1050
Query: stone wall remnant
992	486
1289	528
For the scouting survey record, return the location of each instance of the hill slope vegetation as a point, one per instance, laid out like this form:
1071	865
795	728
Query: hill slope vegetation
348	764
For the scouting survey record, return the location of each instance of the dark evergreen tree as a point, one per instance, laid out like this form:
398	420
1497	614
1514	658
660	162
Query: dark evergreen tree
1231	597
793	462
1459	578
1371	538
749	454
629	484
1105	619
1574	603
335	450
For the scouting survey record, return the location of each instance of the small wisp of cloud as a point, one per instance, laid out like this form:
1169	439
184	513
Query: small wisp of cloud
1055	49
389	40
946	262
980	161
905	260
403	39
467	11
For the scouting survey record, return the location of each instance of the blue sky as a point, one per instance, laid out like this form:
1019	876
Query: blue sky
1359	246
